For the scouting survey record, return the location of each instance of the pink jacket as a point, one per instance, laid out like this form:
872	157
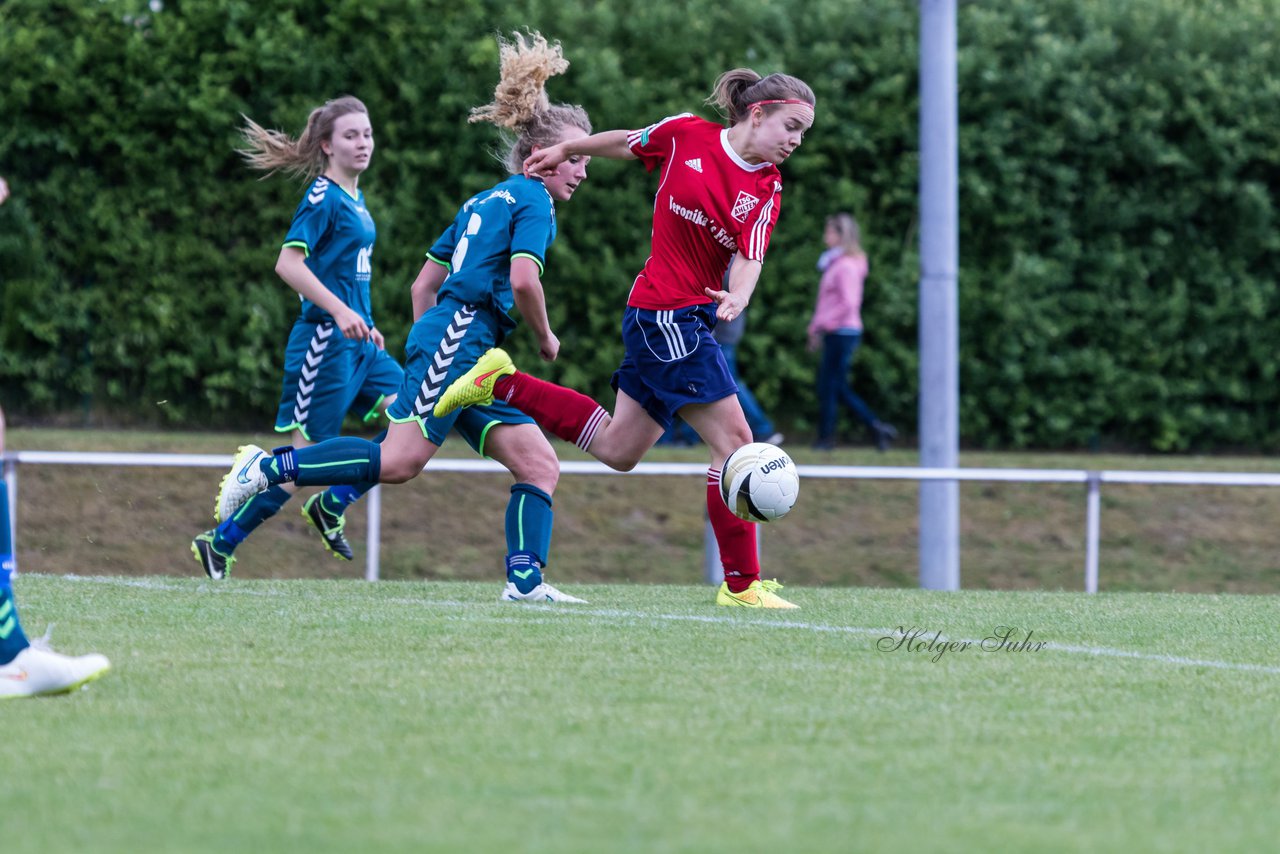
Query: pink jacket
840	296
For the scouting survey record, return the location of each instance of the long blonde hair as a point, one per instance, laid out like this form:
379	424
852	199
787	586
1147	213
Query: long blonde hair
735	91
846	228
274	151
520	107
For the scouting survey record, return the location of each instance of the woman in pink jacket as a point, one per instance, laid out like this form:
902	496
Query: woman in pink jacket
836	327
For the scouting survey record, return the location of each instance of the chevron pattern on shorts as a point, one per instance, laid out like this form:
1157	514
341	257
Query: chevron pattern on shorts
310	370
441	360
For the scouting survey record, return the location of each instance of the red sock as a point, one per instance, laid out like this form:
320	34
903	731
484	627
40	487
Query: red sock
735	537
568	414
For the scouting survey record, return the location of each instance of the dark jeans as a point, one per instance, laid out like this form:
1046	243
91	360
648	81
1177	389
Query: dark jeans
761	426
833	385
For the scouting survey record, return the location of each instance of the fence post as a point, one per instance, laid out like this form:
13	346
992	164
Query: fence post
373	544
11	484
1093	522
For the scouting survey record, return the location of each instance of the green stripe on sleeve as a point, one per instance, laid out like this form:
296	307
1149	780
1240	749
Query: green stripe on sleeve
306	250
542	271
444	264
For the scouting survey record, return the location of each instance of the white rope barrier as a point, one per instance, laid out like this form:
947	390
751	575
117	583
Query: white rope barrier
373	504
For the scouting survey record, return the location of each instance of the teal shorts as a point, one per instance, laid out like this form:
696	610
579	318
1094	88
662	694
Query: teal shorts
327	376
444	344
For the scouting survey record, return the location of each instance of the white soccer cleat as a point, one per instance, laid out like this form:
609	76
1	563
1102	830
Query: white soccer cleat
244	481
544	592
39	670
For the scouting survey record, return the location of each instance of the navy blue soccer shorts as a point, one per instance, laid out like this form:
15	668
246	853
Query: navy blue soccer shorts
671	360
326	376
443	345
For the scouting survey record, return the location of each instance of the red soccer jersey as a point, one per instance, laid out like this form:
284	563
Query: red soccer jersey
710	204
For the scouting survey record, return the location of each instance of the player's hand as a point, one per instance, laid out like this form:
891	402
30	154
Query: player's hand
814	342
4	191
549	347
729	305
376	337
545	160
351	325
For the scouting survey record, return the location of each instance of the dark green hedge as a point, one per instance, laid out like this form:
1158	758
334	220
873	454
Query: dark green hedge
1119	166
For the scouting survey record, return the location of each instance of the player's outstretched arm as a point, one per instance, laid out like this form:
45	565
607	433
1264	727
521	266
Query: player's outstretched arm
609	143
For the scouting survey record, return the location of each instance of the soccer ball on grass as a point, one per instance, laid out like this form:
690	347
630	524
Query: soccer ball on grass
759	482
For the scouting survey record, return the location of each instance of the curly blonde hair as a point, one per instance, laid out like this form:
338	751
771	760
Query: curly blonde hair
520	107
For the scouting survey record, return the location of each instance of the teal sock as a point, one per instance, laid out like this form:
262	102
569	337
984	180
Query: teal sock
528	524
336	499
346	459
256	510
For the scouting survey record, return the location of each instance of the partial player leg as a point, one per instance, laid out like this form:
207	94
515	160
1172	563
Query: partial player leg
30	669
12	640
619	441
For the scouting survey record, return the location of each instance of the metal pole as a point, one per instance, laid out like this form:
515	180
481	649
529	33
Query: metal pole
1093	525
712	569
373	505
11	484
939	323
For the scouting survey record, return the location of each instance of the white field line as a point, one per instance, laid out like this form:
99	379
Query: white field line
615	614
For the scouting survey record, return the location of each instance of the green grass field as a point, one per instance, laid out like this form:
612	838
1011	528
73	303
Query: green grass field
334	715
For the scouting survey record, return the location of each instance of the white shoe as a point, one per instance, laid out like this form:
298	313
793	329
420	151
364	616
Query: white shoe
544	592
244	481
39	670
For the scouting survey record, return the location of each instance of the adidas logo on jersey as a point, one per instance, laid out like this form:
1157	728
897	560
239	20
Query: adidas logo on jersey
695	164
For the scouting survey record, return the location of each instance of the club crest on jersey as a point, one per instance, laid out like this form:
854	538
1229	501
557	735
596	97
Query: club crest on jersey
745	204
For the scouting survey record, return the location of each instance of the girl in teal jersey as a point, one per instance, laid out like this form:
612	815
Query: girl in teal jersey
335	361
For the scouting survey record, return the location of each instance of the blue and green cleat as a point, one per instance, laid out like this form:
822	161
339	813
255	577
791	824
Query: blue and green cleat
329	525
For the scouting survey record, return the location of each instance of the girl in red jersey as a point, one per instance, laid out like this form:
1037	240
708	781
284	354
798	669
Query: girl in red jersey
719	195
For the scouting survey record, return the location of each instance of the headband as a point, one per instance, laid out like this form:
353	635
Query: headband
799	101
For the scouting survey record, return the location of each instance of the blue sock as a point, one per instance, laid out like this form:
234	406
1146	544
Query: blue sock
528	525
336	499
346	459
12	640
255	511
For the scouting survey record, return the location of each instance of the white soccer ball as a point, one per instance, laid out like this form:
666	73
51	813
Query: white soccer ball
759	482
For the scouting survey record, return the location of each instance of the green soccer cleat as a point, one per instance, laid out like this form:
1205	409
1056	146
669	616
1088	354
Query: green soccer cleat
216	565
475	387
329	525
761	594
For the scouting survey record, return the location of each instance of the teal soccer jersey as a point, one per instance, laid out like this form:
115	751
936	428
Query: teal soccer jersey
337	235
514	219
